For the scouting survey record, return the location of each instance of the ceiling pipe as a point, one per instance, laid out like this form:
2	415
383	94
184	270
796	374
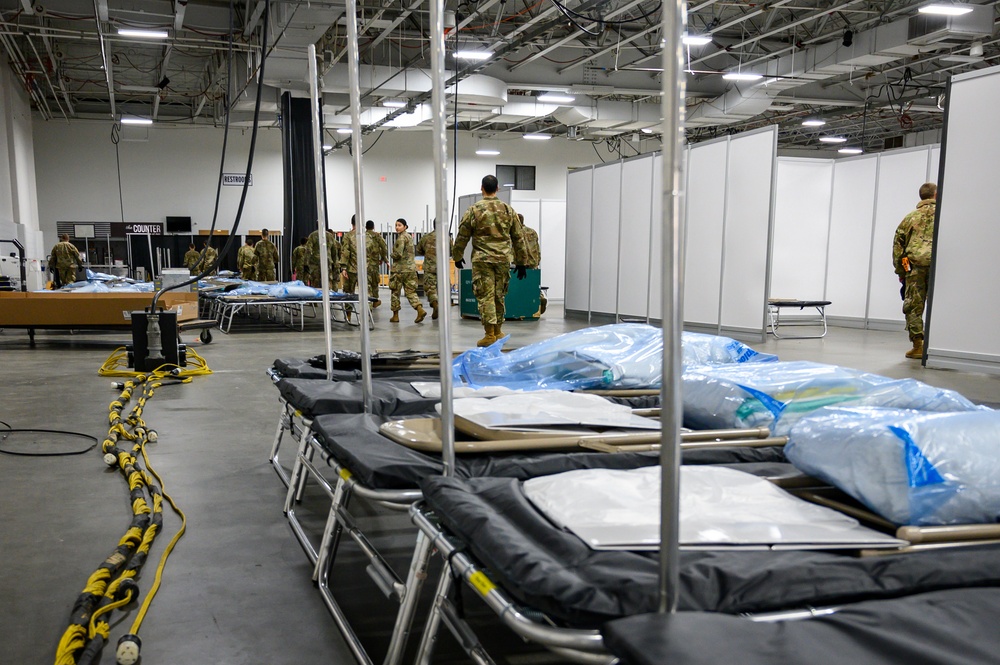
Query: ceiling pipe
108	76
163	76
45	72
62	84
17	62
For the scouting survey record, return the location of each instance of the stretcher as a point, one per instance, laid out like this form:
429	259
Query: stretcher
290	312
775	305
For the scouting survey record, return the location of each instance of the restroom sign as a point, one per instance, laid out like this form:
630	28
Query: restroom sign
236	179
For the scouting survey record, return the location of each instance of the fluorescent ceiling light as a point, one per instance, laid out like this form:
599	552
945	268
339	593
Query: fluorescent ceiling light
742	76
556	98
474	55
946	8
537	137
487	151
151	34
394	103
344	130
647	130
832	139
132	120
696	40
813	123
968	59
850	151
327	147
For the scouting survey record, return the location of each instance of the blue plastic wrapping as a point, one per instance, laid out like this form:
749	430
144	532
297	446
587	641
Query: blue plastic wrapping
775	395
623	355
909	467
294	289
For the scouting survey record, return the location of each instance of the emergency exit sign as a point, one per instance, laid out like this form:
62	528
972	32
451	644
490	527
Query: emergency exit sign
235	180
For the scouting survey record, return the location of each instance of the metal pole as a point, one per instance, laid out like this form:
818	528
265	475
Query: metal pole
324	268
441	210
674	19
359	200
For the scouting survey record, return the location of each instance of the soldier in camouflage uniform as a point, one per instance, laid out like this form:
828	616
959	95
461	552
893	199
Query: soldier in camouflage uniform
534	258
267	257
911	259
209	260
378	253
494	229
349	261
403	274
300	262
191	259
246	260
64	260
332	259
427	246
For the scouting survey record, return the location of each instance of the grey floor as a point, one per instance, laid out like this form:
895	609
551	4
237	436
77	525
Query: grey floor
237	589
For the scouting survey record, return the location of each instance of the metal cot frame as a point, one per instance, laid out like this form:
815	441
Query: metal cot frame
225	309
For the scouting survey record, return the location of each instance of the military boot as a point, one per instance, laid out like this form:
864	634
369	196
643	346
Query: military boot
376	304
918	349
490	335
395	316
421	314
496	330
434	314
347	313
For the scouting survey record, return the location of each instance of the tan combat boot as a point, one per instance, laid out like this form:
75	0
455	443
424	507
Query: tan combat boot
347	313
421	314
496	330
395	316
490	335
376	304
434	314
918	349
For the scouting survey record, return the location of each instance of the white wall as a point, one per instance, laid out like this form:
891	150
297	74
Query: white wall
18	198
801	226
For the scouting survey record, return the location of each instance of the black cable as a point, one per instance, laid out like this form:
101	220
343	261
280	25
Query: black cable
115	138
365	151
572	15
11	430
594	146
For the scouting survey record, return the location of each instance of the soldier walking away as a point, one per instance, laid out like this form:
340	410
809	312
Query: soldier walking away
534	258
912	248
208	261
63	261
349	261
494	230
267	256
191	259
378	253
246	260
332	259
427	246
403	274
300	262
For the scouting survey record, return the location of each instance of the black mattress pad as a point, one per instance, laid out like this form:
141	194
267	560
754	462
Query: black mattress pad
390	397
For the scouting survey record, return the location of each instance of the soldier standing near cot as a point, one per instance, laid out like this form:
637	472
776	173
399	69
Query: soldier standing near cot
332	258
349	261
191	259
427	246
267	256
300	261
246	260
912	247
378	253
534	258
211	255
403	274
494	230
65	257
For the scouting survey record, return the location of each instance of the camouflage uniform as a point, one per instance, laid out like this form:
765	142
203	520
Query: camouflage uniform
300	268
349	261
65	259
267	256
332	258
534	260
191	259
403	275
246	262
427	246
378	253
210	256
915	240
494	229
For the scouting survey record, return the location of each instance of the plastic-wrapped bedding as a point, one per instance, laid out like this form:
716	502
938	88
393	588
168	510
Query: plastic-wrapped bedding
390	397
355	442
622	355
777	394
947	627
554	571
910	467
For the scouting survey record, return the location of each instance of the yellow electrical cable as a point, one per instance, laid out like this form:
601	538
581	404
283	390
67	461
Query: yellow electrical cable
104	610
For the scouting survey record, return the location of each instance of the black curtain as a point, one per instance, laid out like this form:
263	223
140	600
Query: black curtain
298	167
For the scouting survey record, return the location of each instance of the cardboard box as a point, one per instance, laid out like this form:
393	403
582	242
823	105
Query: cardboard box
94	310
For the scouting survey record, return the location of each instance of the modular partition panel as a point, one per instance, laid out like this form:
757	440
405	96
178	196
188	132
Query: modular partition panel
634	275
852	212
579	197
964	305
655	306
606	220
552	239
704	231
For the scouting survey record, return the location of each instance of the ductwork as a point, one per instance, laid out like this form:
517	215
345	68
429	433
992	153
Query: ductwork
607	118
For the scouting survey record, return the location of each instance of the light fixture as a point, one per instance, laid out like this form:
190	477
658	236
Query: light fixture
487	152
742	76
832	139
964	59
474	55
327	147
344	130
646	130
696	40
813	123
946	8
556	98
134	120
536	137
394	103
850	151
145	34
976	50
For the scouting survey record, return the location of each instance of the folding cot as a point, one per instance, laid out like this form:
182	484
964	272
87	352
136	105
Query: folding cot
287	311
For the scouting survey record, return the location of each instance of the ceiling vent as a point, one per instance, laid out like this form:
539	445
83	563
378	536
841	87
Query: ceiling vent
928	29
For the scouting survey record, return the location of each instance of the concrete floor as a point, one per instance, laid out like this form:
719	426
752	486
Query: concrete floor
237	588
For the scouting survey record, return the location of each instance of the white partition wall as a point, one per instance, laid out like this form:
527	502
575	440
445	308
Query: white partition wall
803	190
655	307
704	225
605	228
964	301
852	213
634	275
579	192
552	239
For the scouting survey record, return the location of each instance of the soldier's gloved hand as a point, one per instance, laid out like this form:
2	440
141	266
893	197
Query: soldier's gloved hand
459	264
521	271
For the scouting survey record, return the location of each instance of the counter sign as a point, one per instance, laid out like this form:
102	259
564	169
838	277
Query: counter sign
235	180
